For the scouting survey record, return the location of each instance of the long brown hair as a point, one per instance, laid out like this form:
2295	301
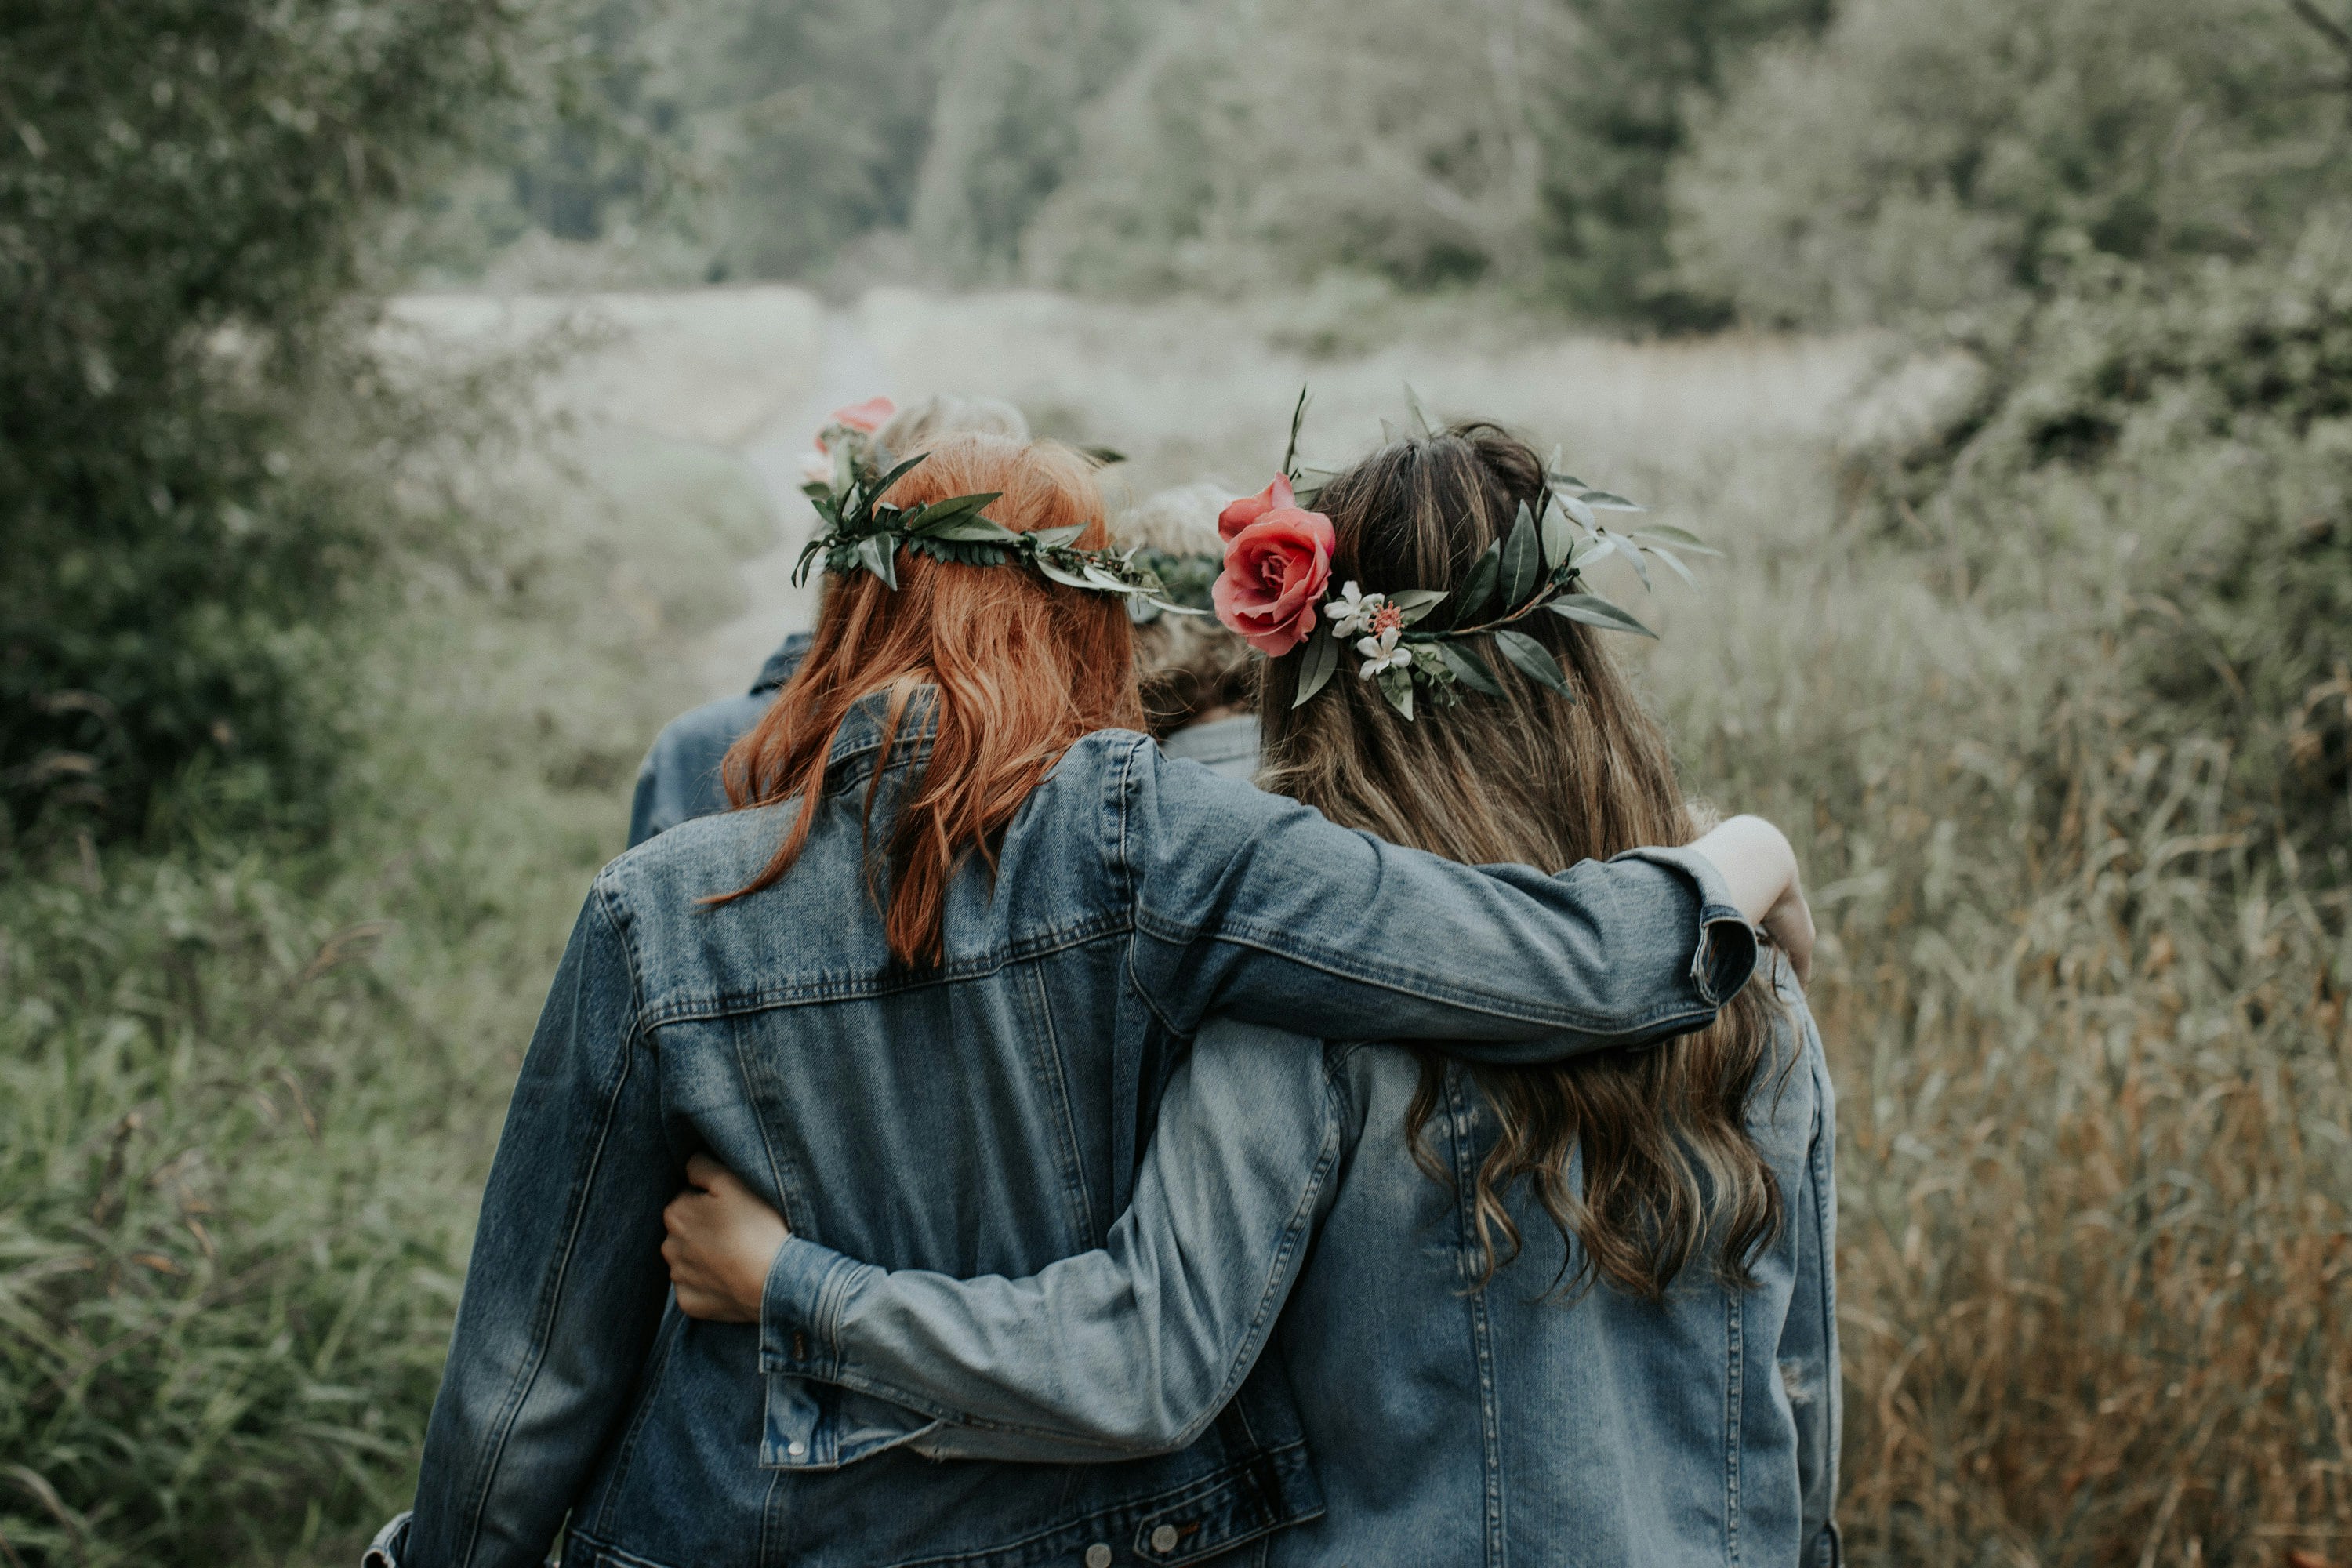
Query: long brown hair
1021	669
1668	1163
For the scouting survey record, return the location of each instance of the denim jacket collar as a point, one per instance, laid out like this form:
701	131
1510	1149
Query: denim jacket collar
857	745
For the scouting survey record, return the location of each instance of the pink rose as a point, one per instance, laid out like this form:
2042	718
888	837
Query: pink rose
869	417
1277	571
1249	509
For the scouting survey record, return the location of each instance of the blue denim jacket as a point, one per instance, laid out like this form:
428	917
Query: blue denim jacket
678	780
987	1117
1451	1424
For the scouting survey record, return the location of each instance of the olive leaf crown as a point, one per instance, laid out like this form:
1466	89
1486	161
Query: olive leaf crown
1419	639
863	532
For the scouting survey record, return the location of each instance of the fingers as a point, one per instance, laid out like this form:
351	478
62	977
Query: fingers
703	1172
1790	928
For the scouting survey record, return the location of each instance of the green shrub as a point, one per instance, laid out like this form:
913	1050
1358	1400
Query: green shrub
249	1084
1924	156
185	189
2193	433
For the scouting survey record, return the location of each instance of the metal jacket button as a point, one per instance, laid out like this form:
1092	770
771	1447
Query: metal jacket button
1163	1539
1099	1555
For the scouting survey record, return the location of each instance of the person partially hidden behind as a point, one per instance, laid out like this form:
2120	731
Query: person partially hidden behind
680	778
1196	675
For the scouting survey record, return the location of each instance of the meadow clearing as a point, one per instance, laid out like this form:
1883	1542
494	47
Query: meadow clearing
2096	1127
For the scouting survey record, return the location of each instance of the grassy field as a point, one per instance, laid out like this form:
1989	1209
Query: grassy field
2089	1035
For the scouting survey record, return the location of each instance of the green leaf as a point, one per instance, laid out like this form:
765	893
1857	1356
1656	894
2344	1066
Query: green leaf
1166	609
1416	602
1107	584
1055	538
877	558
1566	479
974	530
1522	566
1469	668
1632	553
1534	659
1606	500
1595	611
1316	665
1575	508
1670	559
1290	452
882	486
1061	575
1479	587
1420	417
1587	551
1102	456
1396	685
1681	536
934	516
1558	538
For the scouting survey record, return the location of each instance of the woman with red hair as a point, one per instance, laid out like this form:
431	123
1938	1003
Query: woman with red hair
948	952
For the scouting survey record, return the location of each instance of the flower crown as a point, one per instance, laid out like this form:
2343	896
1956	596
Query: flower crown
1276	589
863	532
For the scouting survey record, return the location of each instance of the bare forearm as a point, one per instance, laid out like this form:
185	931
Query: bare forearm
1761	869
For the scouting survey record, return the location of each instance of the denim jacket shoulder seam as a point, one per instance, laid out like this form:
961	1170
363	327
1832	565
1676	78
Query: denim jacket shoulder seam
625	932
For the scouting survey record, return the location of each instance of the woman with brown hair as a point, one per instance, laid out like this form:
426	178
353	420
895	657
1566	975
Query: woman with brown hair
1578	1311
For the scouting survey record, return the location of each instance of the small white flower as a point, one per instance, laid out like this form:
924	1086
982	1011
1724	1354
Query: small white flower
1381	652
1353	610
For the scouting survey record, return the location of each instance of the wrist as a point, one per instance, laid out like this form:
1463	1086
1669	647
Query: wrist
1757	862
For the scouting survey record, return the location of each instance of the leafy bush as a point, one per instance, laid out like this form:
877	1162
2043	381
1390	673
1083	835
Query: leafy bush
1926	156
247	1093
185	189
2200	428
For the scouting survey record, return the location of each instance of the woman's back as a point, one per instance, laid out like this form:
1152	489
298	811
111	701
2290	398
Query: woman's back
1506	1423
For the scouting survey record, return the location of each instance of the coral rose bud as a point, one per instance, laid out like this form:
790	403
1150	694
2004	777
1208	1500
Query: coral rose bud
1277	569
868	416
1249	509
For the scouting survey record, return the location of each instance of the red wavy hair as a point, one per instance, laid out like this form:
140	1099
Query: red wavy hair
1022	669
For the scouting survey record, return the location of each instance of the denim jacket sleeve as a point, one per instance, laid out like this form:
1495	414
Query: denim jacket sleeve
1130	1349
566	1287
1257	908
1808	1352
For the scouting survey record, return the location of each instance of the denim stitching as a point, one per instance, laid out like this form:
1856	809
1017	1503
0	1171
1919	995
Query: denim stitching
551	1294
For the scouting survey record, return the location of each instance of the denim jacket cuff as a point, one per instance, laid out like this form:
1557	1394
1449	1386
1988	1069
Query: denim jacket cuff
1725	953
800	1309
390	1541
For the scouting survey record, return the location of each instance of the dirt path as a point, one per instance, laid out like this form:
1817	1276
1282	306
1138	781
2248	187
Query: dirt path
849	369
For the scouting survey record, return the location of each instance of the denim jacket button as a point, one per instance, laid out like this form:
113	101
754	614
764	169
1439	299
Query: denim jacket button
1099	1555
796	1448
1163	1539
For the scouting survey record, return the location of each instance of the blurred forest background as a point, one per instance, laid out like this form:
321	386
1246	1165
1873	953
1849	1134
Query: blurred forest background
383	409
